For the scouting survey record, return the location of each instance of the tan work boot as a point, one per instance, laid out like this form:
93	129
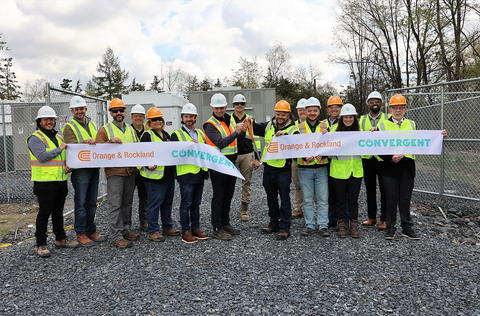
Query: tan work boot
84	240
354	228
297	214
244	212
65	243
43	251
342	231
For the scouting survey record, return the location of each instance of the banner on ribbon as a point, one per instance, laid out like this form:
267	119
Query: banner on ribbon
148	154
356	143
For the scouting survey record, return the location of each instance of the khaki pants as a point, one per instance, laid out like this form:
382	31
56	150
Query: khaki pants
296	182
244	165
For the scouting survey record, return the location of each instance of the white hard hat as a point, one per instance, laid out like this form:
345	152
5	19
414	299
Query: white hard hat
239	98
218	100
312	101
77	102
46	112
301	103
189	108
137	109
348	109
375	95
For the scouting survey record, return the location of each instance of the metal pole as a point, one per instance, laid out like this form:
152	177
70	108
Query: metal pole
5	151
47	96
442	156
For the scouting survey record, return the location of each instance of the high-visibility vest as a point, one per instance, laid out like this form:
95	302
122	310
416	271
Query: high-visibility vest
80	133
185	137
113	131
366	126
51	170
407	125
157	173
304	128
269	133
342	167
258	143
225	131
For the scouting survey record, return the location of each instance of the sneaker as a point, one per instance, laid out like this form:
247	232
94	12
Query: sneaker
324	232
156	236
144	227
221	234
268	230
389	235
130	236
297	214
43	251
199	234
188	238
171	232
283	236
409	233
65	243
84	241
308	231
122	243
232	231
97	237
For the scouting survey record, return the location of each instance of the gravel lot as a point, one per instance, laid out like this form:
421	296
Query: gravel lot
254	274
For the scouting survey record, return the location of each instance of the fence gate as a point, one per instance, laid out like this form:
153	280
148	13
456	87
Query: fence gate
455	107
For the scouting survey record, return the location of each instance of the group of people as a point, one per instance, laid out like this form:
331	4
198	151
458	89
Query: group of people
326	188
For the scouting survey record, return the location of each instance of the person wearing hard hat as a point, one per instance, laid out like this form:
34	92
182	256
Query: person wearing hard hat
222	135
159	181
313	175
137	114
334	105
398	172
49	176
82	130
277	173
248	158
302	116
120	180
370	163
346	174
191	178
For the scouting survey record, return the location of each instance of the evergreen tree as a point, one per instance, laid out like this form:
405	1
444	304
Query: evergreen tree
205	85
218	84
78	87
65	85
155	85
135	86
111	77
9	88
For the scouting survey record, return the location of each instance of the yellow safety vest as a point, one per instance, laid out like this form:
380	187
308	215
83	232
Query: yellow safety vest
407	125
185	137
80	132
366	126
51	170
342	167
113	131
157	173
225	131
304	128
258	143
269	133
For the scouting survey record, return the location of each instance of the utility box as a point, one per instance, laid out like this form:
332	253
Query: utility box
170	104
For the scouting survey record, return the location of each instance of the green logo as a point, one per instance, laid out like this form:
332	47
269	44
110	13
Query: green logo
218	100
189	108
78	101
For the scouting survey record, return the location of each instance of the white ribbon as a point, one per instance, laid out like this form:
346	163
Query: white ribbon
148	154
416	142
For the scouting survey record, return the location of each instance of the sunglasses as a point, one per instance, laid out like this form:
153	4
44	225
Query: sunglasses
239	103
118	110
156	119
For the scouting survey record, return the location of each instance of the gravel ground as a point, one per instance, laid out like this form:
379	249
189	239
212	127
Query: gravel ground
254	274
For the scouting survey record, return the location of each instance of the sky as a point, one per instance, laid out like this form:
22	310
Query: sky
56	39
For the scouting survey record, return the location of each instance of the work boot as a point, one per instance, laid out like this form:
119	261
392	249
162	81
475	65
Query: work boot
354	228
65	243
232	231
130	236
342	232
297	214
97	237
156	236
197	232
84	241
171	232
188	238
221	234
244	212
122	243
144	226
43	251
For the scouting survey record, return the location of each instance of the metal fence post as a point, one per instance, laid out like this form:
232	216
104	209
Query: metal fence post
442	156
47	96
5	152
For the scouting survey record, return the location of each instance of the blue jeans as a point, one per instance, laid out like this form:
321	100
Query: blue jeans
190	205
160	197
314	182
85	184
276	184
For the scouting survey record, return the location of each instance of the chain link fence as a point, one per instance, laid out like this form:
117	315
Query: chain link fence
17	122
455	107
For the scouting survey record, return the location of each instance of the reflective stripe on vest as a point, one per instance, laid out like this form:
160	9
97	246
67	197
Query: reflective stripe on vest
269	133
258	143
225	131
128	137
305	129
51	170
158	172
185	137
80	132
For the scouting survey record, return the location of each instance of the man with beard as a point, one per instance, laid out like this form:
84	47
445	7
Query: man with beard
120	180
370	163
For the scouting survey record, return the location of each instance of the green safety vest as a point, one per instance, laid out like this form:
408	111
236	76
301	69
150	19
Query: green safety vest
51	170
113	131
185	137
304	128
388	125
366	126
157	173
269	133
80	131
225	131
342	167
258	143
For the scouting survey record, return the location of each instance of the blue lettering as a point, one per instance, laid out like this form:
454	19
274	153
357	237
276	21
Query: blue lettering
406	142
202	156
392	142
209	157
377	143
428	142
369	143
361	143
182	153
385	142
190	153
215	158
221	160
414	143
420	142
197	153
399	143
175	153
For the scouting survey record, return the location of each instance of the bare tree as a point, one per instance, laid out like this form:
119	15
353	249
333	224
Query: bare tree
306	75
35	91
249	75
171	76
278	65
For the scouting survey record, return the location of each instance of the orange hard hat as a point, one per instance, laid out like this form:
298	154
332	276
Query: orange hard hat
116	103
154	112
282	106
398	99
334	100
